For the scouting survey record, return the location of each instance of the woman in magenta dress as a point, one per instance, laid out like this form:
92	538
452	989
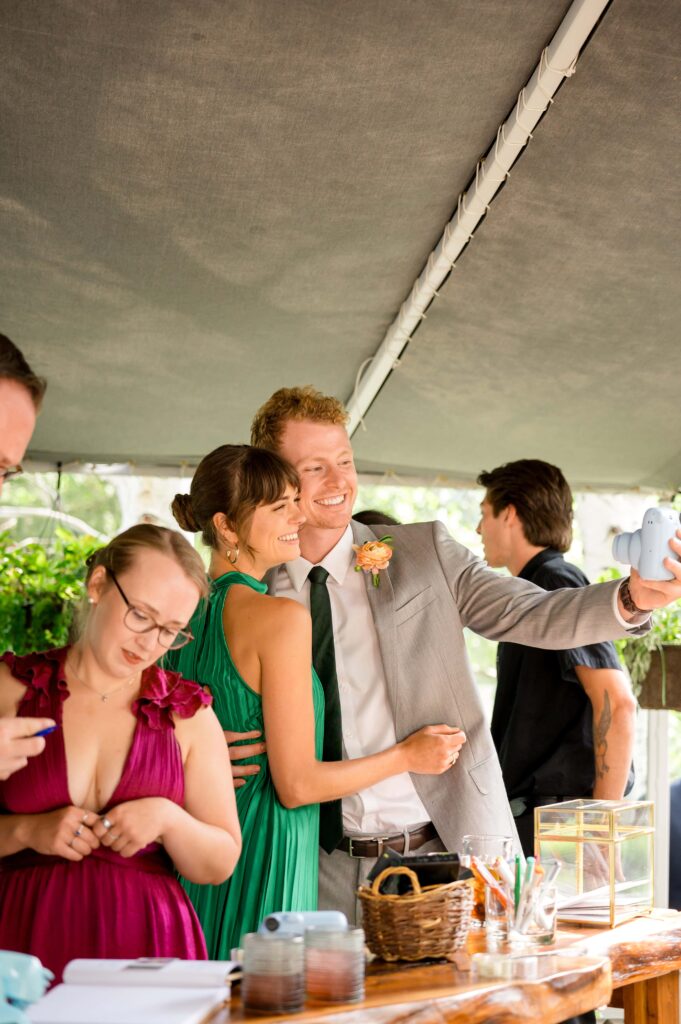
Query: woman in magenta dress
133	784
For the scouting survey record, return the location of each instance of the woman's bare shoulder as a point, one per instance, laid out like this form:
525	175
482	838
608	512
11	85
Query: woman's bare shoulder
274	610
201	726
286	611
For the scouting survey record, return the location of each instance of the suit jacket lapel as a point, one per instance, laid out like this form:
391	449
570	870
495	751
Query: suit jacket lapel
382	603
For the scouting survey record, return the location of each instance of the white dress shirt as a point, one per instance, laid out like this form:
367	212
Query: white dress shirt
368	725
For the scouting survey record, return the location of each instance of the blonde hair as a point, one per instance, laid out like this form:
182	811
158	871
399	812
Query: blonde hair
233	479
293	404
120	553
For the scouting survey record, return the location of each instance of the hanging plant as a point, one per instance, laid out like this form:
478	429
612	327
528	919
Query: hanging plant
40	588
654	661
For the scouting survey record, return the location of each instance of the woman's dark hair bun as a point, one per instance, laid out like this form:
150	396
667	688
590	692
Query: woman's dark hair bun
183	512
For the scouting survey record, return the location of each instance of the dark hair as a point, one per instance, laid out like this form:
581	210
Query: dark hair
119	554
540	495
233	479
13	366
372	517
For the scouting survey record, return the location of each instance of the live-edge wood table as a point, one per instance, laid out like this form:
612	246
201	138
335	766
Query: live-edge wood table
640	960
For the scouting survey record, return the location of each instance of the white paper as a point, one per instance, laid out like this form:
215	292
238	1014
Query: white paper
594	905
151	971
103	1004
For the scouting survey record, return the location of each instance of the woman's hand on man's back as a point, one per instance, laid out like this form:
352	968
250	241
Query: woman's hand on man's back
240	772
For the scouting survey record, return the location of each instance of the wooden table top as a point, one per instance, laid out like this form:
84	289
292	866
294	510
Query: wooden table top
577	973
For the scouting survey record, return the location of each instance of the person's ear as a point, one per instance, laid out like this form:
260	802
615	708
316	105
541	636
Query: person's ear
96	584
510	515
224	531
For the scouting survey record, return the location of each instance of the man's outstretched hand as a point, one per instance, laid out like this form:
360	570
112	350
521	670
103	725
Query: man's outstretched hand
650	594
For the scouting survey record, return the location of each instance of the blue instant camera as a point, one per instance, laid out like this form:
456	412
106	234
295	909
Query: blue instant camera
646	549
23	980
290	923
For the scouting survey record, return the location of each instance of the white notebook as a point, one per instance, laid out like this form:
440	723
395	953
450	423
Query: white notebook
145	991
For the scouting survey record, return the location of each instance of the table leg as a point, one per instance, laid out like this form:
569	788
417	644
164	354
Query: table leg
655	1001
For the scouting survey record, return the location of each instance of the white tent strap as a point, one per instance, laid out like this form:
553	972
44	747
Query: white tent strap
557	62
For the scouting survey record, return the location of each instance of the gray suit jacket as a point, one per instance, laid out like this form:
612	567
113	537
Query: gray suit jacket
434	588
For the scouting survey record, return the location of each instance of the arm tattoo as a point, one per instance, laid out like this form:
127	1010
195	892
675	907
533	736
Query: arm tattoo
601	729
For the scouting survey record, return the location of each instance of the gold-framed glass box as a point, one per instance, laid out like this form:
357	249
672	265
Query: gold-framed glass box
606	852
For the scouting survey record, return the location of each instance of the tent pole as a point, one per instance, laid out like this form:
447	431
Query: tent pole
556	63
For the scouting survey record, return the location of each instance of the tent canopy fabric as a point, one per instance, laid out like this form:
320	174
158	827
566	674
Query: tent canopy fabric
203	202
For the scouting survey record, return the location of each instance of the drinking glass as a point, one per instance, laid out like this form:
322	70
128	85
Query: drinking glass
538	925
274	973
486	849
498	916
334	965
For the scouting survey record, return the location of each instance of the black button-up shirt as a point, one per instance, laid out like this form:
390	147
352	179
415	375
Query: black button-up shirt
542	723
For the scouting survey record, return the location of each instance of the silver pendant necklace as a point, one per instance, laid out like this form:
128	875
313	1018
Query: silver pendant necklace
103	696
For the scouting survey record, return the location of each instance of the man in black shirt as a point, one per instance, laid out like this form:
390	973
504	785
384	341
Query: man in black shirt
563	721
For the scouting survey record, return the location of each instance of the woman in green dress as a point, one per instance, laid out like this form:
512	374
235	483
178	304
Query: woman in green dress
254	653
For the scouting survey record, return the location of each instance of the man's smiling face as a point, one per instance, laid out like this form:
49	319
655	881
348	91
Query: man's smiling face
322	454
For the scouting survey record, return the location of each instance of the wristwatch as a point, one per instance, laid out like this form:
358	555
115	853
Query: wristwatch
628	601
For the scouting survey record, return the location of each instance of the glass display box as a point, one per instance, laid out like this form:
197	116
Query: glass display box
605	848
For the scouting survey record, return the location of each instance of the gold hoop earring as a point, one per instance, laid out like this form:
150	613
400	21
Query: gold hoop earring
232	554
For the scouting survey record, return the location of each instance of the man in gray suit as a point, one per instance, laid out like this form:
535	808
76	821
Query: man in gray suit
400	656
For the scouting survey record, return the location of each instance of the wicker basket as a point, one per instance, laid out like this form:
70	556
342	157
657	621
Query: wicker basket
429	922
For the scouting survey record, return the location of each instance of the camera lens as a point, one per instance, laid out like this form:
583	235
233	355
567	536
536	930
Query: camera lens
626	548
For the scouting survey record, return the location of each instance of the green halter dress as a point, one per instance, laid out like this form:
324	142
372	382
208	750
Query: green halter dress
277	869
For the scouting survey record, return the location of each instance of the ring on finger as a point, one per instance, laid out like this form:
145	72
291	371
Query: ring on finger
107	824
78	831
71	842
114	837
83	820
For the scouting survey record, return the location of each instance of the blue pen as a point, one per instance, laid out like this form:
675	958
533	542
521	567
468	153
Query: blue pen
45	732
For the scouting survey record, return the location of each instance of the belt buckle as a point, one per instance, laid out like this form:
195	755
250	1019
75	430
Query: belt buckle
379	840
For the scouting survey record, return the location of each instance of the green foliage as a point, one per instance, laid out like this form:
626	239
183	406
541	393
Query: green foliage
636	652
666	629
40	589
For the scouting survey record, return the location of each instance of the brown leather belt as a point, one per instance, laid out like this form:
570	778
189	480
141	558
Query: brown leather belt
373	846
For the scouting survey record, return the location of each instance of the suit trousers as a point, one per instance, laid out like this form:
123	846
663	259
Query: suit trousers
340	875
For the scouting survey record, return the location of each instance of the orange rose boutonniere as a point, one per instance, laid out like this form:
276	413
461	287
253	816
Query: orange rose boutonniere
373	557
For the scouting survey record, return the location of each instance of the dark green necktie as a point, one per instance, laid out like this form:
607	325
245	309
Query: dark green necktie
324	661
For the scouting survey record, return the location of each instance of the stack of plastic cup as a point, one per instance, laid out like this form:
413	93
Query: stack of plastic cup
274	973
334	965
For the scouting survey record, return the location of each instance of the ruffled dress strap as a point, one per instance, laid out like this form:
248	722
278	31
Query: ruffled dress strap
164	694
42	672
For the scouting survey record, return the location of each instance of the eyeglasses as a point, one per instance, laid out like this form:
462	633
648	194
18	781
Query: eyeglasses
10	471
139	621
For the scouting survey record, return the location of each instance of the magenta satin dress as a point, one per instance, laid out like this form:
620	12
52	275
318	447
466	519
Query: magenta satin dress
105	905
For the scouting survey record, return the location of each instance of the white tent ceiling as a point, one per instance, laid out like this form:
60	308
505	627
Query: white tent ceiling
201	202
